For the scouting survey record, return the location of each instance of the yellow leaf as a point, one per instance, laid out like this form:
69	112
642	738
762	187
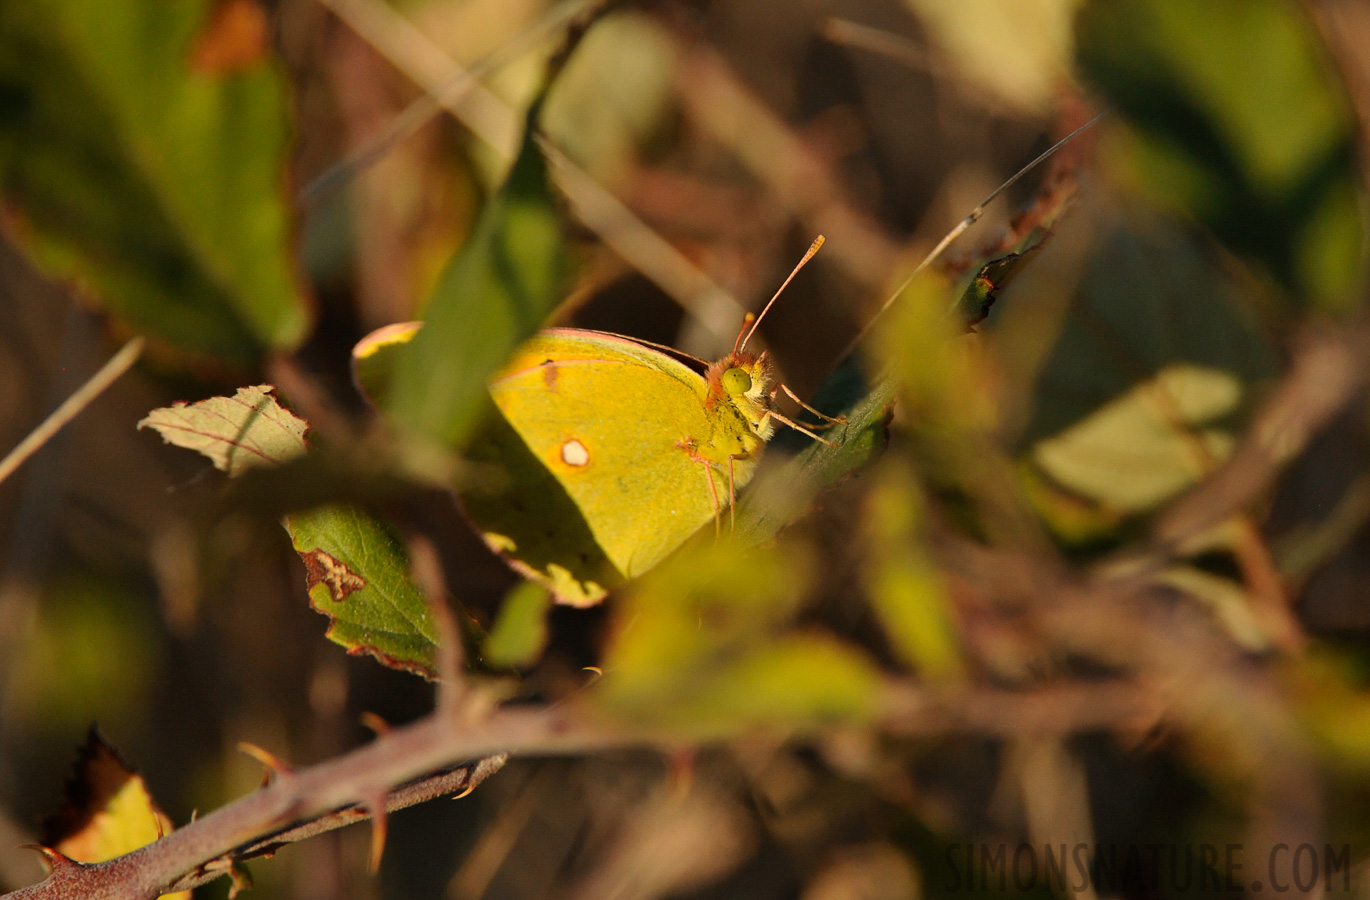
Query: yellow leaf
107	810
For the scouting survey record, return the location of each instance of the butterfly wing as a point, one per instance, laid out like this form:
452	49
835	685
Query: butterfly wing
603	485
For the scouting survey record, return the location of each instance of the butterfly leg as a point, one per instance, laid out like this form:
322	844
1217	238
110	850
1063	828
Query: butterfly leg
689	448
797	427
732	500
829	421
713	495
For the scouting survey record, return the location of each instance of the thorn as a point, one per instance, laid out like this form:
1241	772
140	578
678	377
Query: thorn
195	814
241	880
375	723
380	825
56	859
680	772
596	671
273	764
464	792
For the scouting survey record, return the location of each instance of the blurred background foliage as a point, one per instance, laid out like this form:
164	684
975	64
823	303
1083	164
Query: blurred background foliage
166	169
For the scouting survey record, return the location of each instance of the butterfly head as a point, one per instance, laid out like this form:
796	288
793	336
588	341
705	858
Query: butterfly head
744	381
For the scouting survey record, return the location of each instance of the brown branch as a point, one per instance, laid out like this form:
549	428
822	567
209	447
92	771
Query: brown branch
396	757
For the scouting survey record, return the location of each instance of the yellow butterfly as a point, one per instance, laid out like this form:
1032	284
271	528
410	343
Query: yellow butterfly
604	453
632	452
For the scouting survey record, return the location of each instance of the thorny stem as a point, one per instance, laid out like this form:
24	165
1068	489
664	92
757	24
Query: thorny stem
325	796
458	781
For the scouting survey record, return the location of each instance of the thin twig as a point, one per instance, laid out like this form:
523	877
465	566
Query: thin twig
427	65
884	43
715	99
1202	682
109	373
449	94
960	229
459	781
425	567
1327	371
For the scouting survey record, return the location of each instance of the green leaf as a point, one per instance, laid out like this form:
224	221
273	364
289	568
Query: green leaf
782	493
1238	122
520	633
497	291
706	602
983	290
1161	433
57	684
375	357
158	186
796	682
358	576
236	433
704	645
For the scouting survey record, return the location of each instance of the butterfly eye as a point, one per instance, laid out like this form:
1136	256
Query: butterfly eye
737	381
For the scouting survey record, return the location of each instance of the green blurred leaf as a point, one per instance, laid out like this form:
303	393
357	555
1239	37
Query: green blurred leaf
905	589
375	357
249	429
700	603
1030	41
1334	705
520	631
794	682
358	576
940	386
1158	434
1238	122
158	186
704	646
1144	359
614	96
57	683
496	291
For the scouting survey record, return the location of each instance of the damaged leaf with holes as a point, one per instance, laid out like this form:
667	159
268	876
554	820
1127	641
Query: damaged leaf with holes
358	576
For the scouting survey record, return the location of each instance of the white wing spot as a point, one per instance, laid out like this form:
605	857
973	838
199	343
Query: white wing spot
573	453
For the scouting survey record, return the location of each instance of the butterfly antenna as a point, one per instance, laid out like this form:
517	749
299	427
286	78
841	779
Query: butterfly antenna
747	333
961	227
